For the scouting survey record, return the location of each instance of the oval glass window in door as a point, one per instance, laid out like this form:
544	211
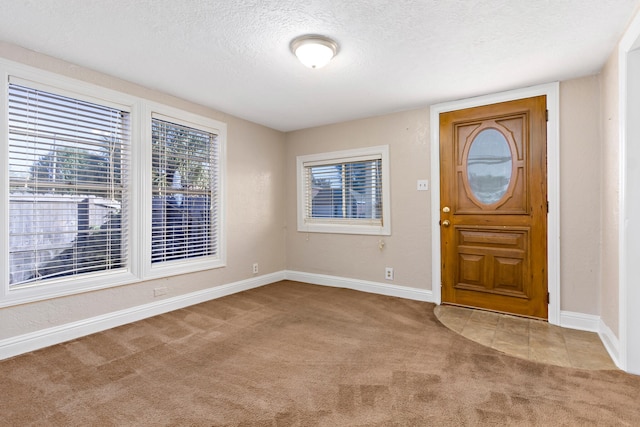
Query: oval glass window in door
489	166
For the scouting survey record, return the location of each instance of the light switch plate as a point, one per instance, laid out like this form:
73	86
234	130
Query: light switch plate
423	184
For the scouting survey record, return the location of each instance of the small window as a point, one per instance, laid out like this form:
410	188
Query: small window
344	192
185	222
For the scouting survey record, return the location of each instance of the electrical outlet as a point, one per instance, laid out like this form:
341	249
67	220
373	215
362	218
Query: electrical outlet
255	268
158	292
388	273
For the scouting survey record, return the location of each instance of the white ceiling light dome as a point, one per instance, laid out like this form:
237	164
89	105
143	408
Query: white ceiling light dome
313	50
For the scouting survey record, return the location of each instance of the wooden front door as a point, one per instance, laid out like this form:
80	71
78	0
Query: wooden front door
493	211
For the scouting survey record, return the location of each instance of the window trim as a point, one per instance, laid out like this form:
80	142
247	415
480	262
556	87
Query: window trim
71	280
170	268
352	226
139	215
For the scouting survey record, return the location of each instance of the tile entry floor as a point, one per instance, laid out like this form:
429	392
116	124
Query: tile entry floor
527	338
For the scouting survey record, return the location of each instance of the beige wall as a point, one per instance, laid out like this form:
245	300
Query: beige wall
261	208
610	202
580	194
255	212
408	249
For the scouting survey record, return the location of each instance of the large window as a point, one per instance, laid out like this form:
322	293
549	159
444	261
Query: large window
184	191
68	161
344	192
99	188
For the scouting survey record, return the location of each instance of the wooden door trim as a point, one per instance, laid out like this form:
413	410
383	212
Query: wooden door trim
552	91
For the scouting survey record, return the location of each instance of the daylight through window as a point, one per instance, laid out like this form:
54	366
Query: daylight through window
102	188
344	192
68	167
184	177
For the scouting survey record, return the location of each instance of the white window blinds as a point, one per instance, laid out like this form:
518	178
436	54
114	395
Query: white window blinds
344	192
185	191
68	173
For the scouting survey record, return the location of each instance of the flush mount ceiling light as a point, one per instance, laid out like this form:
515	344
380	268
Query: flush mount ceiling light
313	50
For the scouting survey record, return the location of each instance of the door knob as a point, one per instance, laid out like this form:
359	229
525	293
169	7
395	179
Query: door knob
446	223
446	209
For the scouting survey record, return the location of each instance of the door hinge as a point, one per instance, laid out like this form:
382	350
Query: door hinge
546	115
547	206
548	298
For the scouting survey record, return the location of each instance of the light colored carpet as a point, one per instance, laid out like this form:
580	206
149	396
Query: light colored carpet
291	354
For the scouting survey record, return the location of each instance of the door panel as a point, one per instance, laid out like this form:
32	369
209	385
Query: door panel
493	207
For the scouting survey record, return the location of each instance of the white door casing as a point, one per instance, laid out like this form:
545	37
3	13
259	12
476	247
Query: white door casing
629	209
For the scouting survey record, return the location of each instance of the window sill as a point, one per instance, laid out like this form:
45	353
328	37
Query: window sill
371	230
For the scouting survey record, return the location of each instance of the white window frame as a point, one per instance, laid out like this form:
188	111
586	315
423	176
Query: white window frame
139	213
352	226
168	268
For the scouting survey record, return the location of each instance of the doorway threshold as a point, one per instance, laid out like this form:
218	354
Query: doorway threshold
530	339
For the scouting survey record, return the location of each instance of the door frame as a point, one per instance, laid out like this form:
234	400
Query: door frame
629	199
552	91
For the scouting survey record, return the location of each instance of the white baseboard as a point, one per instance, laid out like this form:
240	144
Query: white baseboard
610	342
361	285
592	323
36	340
580	321
46	337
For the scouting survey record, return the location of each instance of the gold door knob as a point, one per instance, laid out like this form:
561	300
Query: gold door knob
446	223
446	209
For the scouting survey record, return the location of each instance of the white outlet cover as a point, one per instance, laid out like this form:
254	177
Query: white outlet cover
157	292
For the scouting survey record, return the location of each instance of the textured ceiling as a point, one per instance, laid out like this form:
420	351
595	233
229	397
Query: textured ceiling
394	54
